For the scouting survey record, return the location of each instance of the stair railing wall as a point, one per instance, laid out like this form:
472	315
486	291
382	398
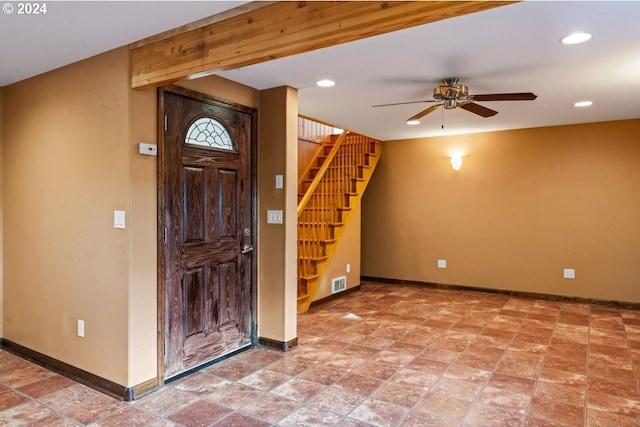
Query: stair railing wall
316	180
325	202
313	225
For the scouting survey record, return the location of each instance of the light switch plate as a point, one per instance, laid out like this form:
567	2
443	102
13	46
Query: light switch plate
279	181
119	219
274	217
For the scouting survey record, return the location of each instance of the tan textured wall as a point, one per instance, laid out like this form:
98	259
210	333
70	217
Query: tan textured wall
347	252
306	151
66	151
290	214
225	90
277	250
142	354
1	181
71	153
525	205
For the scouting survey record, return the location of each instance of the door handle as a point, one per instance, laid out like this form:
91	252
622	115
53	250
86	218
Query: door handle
247	249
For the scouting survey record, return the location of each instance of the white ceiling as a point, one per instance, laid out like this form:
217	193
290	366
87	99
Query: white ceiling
513	48
73	30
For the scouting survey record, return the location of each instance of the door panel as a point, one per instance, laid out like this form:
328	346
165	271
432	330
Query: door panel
228	185
229	298
206	208
194	292
194	196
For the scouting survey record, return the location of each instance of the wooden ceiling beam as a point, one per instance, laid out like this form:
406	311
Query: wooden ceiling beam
281	29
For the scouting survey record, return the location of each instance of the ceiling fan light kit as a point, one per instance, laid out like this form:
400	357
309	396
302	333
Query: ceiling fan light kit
451	90
452	94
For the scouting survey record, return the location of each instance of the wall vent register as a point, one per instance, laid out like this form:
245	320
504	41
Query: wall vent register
338	284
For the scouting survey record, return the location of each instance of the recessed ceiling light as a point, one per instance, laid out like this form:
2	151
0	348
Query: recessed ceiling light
325	83
576	38
413	122
583	104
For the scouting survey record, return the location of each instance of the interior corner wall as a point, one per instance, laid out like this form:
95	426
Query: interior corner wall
1	181
525	205
347	253
277	244
142	355
66	149
69	143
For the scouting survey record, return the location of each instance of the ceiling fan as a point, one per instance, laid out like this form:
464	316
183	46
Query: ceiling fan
452	95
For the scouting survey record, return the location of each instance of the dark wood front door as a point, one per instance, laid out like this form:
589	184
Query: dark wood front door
206	211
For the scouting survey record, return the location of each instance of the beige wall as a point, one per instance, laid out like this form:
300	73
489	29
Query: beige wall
306	152
142	301
224	90
1	179
66	169
277	250
525	205
70	148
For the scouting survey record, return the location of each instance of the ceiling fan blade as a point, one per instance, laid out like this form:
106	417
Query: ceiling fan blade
425	112
478	109
522	96
405	103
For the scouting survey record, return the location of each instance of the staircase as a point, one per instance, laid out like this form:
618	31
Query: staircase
329	190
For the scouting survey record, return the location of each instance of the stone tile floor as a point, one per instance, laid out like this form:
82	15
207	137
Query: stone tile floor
388	355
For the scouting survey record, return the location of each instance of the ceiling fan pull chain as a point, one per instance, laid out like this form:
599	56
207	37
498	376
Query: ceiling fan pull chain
442	120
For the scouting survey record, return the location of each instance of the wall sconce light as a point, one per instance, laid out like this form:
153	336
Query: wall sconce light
456	161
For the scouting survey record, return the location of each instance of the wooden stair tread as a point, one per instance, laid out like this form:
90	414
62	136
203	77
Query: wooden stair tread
340	166
328	194
313	258
334	180
358	165
349	155
318	208
348	193
330	224
327	241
